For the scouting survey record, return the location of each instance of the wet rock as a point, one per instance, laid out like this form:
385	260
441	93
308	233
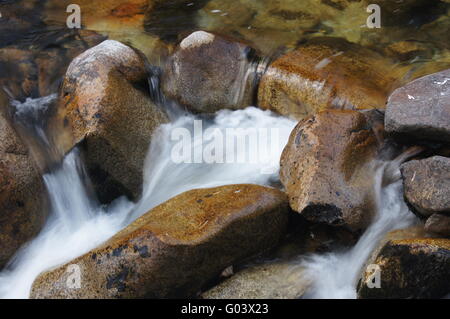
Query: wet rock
23	198
104	103
427	185
411	268
326	73
438	224
33	71
270	280
421	109
207	73
177	247
113	15
19	74
327	171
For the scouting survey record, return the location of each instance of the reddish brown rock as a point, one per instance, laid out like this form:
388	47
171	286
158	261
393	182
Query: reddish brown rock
326	73
177	247
326	168
105	103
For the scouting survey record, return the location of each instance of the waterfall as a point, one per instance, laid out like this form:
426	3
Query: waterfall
78	223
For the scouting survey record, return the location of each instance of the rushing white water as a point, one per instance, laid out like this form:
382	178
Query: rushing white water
78	223
334	275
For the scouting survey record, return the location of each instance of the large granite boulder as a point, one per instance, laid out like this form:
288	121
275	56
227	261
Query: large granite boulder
420	110
427	185
208	72
327	169
177	247
105	104
326	73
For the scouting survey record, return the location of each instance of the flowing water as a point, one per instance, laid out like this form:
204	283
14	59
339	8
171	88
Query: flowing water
335	275
78	223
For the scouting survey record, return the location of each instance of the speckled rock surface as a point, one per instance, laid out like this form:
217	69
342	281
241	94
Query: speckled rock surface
207	73
326	169
427	185
177	247
104	103
23	197
421	109
271	280
411	268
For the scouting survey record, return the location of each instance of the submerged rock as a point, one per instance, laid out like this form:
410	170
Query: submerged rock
427	185
208	73
327	170
105	103
411	268
177	247
23	198
421	109
326	73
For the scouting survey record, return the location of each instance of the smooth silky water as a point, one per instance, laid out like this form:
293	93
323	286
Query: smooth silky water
78	222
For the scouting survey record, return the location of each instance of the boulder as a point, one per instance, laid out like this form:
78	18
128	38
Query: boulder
327	170
207	73
427	185
177	247
438	224
23	197
269	280
104	103
411	268
421	109
326	73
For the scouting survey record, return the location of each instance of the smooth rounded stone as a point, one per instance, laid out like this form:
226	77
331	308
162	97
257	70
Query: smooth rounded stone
411	268
326	73
438	224
177	247
427	185
421	109
327	168
104	103
270	280
23	197
208	73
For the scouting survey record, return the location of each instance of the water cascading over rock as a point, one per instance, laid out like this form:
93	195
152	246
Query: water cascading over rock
105	105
